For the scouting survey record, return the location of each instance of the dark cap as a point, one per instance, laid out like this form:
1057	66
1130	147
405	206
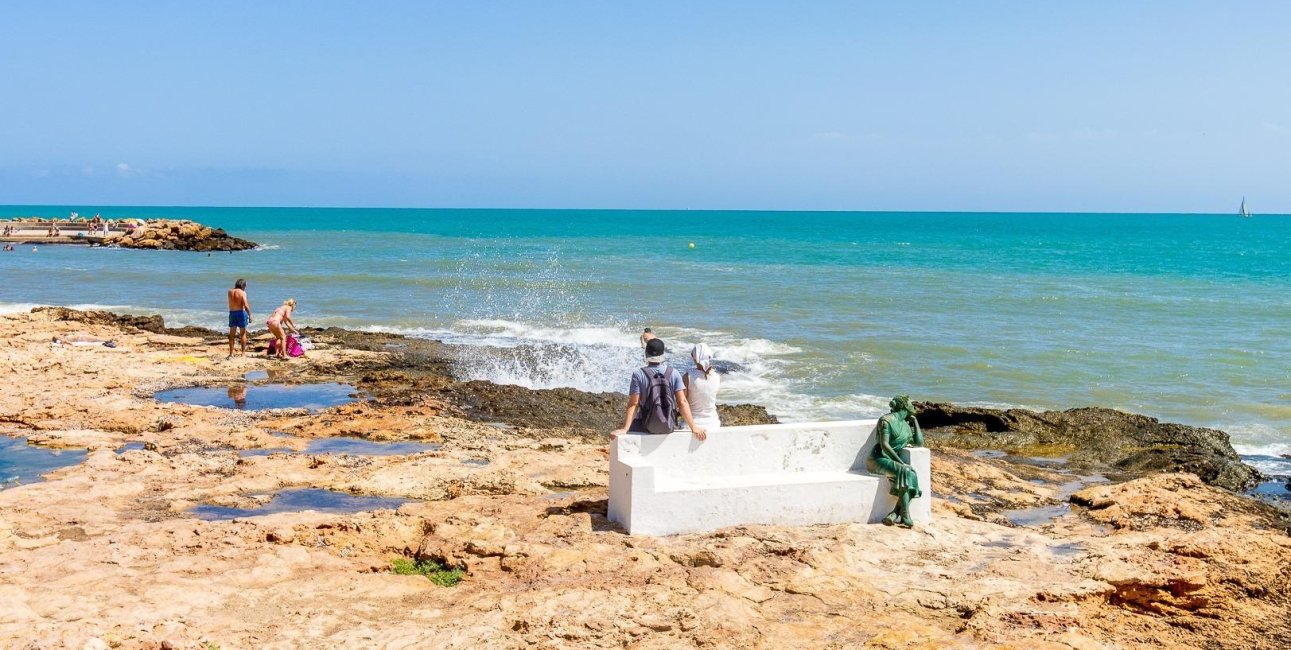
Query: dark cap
655	348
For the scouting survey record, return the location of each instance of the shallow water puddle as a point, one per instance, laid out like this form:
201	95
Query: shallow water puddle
21	463
129	446
254	397
349	445
264	451
300	500
1277	473
1037	516
1278	489
364	447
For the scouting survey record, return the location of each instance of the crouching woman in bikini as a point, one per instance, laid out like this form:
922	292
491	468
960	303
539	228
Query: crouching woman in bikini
280	317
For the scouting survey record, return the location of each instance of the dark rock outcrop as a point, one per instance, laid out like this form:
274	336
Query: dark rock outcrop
151	323
1095	438
738	415
175	235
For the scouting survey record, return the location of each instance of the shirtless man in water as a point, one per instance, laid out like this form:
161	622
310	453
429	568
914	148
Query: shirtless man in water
239	315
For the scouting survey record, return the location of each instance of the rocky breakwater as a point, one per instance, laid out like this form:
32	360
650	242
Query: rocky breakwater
181	235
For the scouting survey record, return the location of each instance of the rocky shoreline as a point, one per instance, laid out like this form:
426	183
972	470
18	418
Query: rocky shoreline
1143	542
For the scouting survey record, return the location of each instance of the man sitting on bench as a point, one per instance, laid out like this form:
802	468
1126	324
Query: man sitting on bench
655	395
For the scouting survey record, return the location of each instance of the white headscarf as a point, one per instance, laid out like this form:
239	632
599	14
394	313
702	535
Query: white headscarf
703	357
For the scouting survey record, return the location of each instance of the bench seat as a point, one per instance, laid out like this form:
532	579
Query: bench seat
683	484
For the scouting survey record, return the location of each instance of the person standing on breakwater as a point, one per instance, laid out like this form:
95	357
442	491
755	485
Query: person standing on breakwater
282	316
239	315
655	394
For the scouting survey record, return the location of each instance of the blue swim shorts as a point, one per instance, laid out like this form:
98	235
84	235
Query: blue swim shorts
238	319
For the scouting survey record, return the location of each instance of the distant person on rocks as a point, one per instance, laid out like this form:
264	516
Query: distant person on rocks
702	384
239	315
655	394
280	317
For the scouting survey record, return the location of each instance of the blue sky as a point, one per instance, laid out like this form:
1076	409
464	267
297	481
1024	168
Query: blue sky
1100	106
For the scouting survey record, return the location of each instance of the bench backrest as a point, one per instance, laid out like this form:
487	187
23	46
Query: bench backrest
758	449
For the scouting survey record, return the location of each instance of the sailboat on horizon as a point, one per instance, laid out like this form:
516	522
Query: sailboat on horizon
1243	211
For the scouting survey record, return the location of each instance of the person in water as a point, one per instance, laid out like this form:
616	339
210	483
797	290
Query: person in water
280	317
239	315
896	431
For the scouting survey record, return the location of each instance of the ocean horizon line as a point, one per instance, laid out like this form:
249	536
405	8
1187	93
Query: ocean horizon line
78	206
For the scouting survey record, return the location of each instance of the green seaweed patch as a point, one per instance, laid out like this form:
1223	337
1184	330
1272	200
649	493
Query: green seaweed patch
434	571
1043	450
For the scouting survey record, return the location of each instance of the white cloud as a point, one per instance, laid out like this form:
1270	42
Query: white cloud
126	171
1091	133
1279	129
829	136
838	137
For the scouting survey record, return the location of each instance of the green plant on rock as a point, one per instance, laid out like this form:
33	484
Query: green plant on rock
434	571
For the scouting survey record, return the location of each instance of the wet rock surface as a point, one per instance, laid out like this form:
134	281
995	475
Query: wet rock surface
1097	439
420	366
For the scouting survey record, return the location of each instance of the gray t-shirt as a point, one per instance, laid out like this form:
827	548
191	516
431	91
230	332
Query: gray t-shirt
640	381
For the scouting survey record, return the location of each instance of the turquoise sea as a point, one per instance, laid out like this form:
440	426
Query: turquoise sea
1183	317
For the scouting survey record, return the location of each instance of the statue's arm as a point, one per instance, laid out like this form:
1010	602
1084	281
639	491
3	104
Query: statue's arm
917	439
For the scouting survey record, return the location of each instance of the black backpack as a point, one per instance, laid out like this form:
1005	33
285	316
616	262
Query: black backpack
657	411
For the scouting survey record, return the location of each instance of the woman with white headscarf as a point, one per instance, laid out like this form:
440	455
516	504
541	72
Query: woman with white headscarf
702	383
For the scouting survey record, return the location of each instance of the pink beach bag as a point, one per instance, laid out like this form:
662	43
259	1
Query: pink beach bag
293	347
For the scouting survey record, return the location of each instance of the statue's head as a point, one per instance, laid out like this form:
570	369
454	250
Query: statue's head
901	403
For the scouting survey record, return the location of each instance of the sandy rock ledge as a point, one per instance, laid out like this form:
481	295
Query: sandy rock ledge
105	553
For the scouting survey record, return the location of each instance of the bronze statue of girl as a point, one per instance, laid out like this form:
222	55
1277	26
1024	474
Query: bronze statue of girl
896	431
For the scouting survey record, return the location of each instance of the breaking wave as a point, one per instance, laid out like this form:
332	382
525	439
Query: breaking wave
601	358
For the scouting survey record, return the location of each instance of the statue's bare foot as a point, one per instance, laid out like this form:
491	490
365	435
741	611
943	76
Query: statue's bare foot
906	521
890	519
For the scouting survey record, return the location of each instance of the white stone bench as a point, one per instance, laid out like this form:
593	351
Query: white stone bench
783	474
